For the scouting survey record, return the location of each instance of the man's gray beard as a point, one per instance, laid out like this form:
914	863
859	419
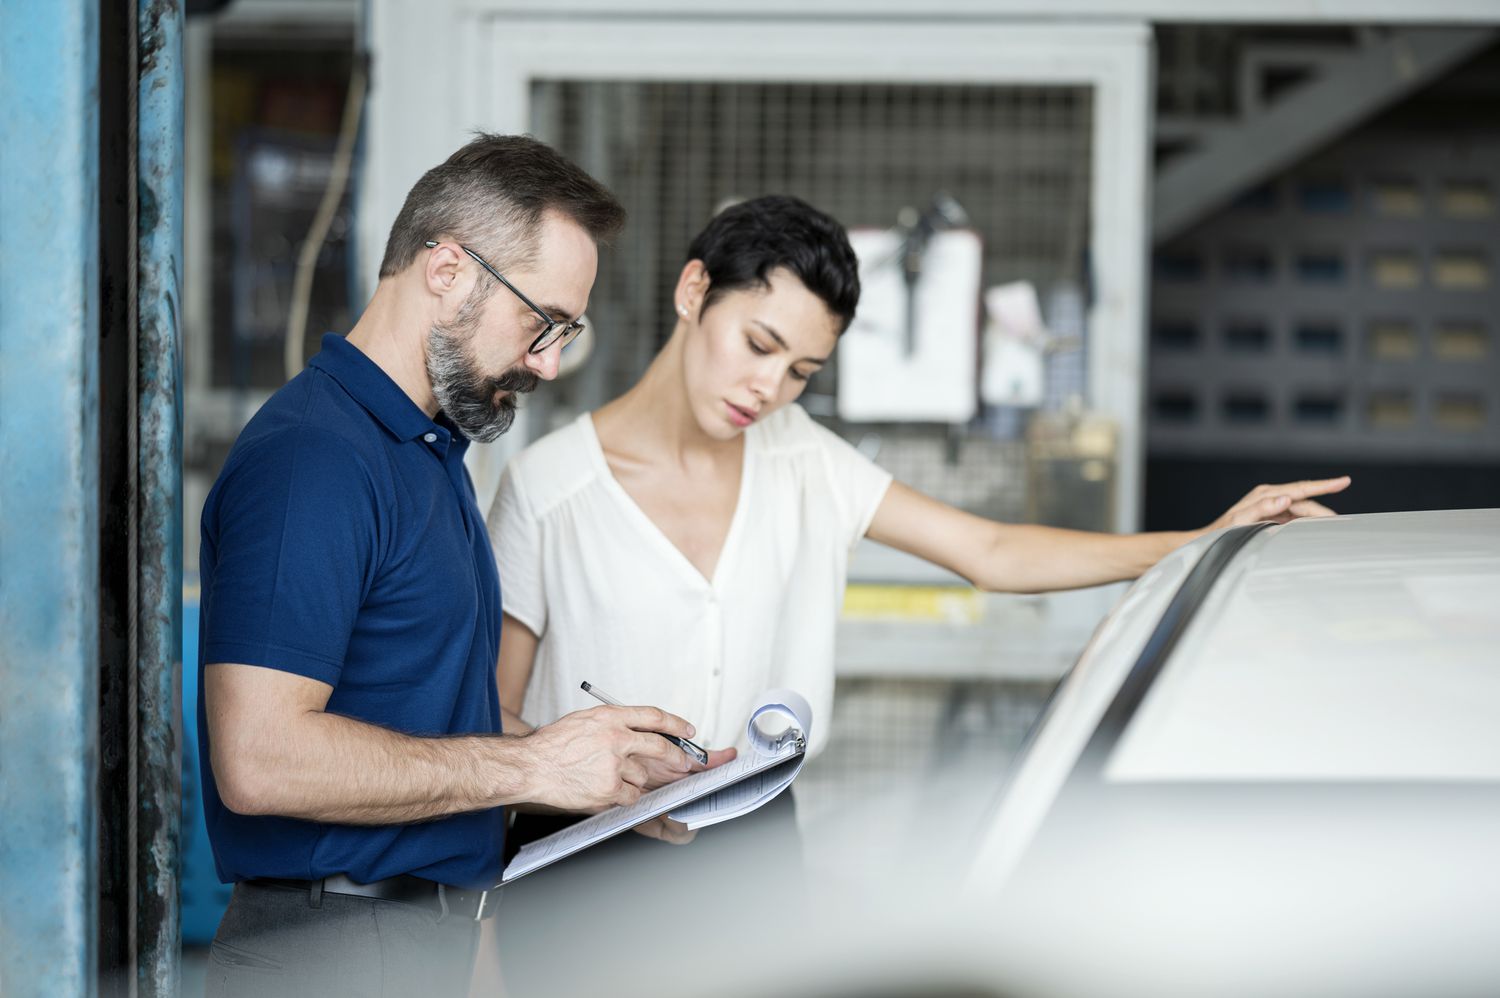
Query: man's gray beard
464	393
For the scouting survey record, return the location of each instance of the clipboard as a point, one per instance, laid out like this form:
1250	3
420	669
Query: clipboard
778	729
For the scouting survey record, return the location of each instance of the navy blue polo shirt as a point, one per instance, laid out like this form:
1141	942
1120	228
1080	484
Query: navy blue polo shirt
342	542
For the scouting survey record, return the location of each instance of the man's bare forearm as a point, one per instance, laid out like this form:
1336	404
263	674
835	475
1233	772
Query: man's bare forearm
329	768
275	750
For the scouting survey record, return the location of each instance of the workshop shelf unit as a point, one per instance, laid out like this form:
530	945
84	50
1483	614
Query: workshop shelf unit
1347	307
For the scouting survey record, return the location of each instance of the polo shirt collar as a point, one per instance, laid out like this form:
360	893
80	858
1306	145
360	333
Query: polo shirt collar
372	388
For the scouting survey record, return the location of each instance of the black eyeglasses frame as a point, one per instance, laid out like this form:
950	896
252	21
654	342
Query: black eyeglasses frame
550	333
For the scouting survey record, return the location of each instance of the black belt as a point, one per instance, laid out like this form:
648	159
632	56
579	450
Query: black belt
405	889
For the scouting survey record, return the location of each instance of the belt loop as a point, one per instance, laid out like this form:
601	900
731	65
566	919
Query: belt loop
315	894
443	902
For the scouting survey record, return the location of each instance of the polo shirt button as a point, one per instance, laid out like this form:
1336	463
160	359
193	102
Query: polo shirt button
430	437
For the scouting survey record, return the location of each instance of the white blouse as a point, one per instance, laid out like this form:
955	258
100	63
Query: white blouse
615	603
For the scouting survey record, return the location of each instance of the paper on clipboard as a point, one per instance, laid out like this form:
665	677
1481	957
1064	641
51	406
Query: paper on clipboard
781	722
779	730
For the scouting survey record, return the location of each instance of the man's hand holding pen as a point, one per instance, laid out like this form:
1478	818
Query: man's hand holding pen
593	759
660	775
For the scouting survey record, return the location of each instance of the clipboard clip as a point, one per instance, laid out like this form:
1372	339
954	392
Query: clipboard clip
791	737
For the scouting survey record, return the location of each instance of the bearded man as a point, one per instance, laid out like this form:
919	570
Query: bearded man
353	763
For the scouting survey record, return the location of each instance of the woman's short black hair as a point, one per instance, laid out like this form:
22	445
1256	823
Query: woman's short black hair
745	242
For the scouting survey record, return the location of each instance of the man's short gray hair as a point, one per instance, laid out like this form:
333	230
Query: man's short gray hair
491	195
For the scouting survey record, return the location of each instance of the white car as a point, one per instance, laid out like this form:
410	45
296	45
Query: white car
1275	770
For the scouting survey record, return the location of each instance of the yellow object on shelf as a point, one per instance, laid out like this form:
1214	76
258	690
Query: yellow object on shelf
938	604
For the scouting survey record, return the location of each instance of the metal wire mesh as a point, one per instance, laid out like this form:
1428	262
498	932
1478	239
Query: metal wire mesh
1017	158
897	730
987	477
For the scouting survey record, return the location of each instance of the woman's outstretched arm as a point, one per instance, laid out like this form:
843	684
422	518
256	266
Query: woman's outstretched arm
1025	558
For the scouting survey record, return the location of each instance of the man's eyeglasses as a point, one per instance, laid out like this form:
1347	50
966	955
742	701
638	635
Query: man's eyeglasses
554	331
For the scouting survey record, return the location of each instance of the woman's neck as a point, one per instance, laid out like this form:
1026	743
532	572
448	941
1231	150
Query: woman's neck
653	421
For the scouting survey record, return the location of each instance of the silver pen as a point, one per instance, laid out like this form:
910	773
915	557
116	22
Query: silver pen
691	748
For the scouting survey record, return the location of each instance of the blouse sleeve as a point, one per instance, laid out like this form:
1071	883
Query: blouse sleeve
516	536
858	483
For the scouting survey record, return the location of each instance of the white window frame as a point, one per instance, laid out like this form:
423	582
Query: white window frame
444	68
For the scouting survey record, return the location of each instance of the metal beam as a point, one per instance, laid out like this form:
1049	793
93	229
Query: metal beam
1066	11
159	162
260	15
49	502
1232	160
118	509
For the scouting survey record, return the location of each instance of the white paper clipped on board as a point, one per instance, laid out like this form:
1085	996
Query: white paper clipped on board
778	728
781	725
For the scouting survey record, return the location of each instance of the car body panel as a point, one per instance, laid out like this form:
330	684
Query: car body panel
1304	800
1357	648
1071	717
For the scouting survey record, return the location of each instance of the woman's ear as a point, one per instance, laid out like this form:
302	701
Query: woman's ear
692	288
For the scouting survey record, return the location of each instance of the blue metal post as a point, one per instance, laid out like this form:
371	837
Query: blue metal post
49	502
159	184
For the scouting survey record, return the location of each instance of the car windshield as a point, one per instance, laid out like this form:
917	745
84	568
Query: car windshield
1313	660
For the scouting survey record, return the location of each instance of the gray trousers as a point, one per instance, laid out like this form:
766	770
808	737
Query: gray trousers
272	943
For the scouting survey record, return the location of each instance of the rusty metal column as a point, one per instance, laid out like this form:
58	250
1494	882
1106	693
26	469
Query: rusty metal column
159	451
49	496
118	508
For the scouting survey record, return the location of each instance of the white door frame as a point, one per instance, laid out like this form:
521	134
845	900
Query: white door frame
446	67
